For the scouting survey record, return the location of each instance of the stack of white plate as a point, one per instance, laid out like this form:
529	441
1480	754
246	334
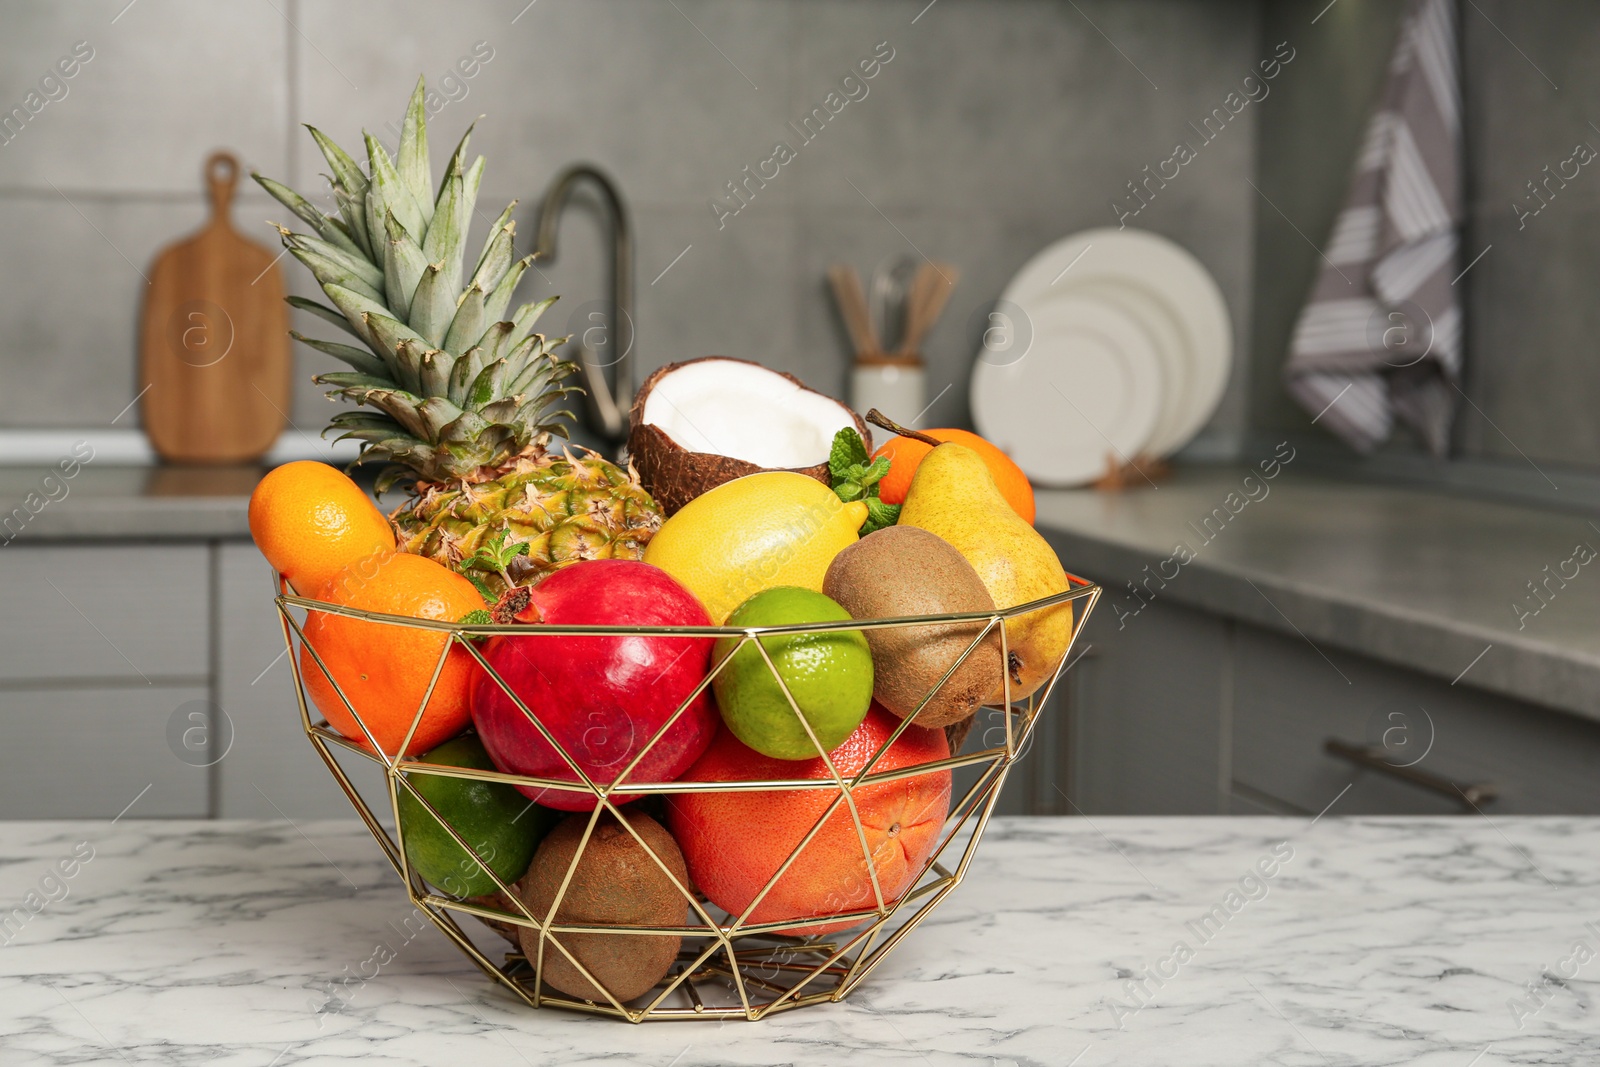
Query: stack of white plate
1110	345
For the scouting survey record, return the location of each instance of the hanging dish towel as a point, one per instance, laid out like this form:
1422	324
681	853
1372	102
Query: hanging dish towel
1380	335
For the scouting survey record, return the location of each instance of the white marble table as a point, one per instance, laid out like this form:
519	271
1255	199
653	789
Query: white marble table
1374	941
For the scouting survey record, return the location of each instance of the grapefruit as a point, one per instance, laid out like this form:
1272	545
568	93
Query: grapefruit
735	841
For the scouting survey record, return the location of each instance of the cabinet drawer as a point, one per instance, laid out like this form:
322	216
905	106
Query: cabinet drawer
85	753
1290	700
134	613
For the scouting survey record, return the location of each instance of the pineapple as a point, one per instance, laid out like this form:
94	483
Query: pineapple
454	394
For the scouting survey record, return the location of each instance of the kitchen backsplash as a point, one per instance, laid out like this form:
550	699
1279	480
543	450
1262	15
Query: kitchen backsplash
986	130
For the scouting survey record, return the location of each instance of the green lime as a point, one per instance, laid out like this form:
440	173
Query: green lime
501	825
828	674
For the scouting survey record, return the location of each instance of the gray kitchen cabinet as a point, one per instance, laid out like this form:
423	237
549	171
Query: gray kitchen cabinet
139	612
1290	700
271	771
89	752
1147	730
1175	711
105	661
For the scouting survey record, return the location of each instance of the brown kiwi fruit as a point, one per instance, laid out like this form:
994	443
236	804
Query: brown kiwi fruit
904	570
615	883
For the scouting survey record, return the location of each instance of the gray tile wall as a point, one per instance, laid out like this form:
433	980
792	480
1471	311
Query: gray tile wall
996	128
1533	318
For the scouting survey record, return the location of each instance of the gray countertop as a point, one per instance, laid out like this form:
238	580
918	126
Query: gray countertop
1432	582
103	502
1424	580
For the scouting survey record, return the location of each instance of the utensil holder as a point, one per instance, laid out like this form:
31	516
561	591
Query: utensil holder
899	388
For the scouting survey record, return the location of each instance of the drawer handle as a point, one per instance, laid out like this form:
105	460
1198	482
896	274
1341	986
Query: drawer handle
1372	758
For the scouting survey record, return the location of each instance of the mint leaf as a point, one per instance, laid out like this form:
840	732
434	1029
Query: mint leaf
848	450
879	515
855	476
874	474
484	589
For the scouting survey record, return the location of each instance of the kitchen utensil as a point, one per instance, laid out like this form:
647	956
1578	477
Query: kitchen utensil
214	362
726	969
1141	270
890	283
925	299
852	304
1083	396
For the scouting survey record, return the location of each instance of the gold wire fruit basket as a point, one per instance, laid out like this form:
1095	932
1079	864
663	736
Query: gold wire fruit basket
727	967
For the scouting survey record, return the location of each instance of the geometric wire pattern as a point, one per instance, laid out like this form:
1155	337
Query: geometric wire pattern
727	967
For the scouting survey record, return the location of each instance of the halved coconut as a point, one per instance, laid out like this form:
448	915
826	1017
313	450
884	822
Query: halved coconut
707	421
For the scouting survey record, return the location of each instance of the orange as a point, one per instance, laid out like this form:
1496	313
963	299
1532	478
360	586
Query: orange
383	668
734	842
312	521
905	454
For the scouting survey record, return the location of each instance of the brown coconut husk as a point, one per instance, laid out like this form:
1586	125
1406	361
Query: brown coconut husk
673	475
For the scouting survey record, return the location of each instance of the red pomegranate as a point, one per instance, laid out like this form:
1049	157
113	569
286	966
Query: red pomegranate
601	697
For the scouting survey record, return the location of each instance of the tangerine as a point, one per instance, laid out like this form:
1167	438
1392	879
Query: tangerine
382	668
311	521
735	841
905	455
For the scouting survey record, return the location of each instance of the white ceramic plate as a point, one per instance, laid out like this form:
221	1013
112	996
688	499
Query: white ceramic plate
1156	319
1083	385
1173	296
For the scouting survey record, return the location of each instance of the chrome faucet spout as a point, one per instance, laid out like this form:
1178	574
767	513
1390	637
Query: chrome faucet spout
607	402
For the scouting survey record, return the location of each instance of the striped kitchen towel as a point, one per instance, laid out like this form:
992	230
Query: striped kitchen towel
1380	335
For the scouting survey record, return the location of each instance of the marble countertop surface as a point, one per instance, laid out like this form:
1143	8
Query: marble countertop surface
1440	942
1505	597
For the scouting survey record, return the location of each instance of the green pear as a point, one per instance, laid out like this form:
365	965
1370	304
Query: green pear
954	496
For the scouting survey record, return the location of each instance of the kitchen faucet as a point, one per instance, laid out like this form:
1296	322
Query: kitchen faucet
607	403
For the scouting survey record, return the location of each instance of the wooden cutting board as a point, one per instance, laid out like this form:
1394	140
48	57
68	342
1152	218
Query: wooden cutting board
214	360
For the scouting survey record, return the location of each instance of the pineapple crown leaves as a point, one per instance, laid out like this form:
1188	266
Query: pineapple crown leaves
447	380
855	476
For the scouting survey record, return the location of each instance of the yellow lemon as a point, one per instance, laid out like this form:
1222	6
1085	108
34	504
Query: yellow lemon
753	533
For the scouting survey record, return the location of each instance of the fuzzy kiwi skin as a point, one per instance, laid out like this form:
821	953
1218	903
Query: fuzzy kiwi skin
904	570
616	882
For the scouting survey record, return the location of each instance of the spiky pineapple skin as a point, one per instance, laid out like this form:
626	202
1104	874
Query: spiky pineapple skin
564	507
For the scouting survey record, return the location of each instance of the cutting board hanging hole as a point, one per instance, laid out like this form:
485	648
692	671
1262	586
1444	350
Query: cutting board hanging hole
222	176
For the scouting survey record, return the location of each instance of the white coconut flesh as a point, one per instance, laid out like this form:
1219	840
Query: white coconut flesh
730	408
